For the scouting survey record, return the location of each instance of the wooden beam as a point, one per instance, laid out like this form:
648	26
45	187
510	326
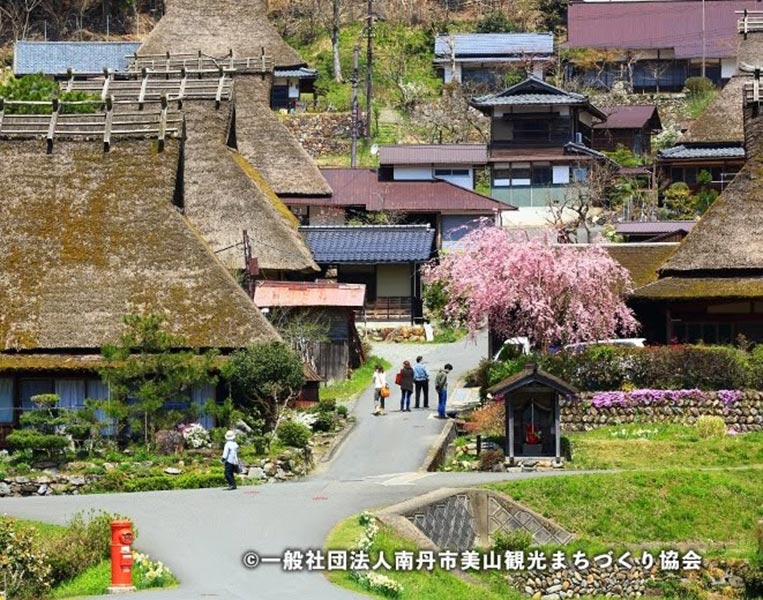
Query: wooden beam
509	429
52	125
557	427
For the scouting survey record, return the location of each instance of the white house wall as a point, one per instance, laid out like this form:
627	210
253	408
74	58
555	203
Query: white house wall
412	173
728	67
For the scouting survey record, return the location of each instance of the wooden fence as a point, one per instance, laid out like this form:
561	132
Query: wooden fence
104	123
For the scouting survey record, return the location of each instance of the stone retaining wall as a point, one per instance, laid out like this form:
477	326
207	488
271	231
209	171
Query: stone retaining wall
745	414
44	485
321	134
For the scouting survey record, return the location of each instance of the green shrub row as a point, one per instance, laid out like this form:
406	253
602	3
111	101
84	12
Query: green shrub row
119	481
604	368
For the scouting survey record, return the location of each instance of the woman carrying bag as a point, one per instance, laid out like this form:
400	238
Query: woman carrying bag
381	390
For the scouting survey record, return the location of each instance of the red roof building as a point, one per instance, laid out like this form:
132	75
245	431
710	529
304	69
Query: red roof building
666	37
628	126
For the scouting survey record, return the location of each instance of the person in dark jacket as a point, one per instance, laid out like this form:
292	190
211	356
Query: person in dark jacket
441	385
421	381
406	386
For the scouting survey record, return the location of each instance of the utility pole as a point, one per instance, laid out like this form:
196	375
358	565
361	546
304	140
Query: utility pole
354	108
703	38
369	64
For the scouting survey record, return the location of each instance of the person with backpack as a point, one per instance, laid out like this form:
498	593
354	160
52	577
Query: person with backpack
421	381
441	385
405	380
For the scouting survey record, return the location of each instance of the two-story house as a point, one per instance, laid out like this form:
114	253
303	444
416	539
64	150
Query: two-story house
540	138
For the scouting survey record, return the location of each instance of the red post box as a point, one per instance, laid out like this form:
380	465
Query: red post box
121	557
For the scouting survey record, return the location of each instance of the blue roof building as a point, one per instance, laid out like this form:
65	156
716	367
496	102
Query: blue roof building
480	58
386	258
84	58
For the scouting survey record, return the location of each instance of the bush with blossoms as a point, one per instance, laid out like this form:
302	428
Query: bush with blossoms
195	435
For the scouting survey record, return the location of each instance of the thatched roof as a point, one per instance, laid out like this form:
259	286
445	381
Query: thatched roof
269	146
217	26
223	195
87	237
722	120
691	288
728	237
641	260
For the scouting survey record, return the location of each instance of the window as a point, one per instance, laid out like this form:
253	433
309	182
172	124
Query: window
33	387
451	172
531	130
6	400
541	175
579	174
71	393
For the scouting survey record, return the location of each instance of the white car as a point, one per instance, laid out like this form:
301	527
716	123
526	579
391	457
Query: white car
632	342
516	346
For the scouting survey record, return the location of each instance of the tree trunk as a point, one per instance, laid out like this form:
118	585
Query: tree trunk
336	7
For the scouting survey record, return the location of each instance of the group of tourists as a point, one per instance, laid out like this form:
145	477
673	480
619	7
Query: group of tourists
412	379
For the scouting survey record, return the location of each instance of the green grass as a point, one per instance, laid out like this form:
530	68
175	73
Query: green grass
697	103
95	581
43	530
646	446
717	510
421	585
360	380
91	582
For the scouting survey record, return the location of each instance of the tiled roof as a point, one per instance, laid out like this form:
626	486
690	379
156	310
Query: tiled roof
634	116
309	293
642	25
534	91
54	58
433	154
369	243
298	73
493	44
361	187
654	227
683	151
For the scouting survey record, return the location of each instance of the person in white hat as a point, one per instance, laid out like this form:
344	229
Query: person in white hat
230	458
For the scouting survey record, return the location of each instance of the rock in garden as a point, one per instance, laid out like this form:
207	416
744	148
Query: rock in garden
5	489
169	442
22	480
172	471
256	473
77	480
43	490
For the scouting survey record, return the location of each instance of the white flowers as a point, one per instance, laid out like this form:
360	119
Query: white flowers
370	579
195	435
154	573
640	434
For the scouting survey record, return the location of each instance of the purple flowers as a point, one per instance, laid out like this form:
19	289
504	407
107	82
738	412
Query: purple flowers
649	397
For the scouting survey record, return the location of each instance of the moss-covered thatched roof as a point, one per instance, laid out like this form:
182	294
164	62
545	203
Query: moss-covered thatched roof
692	288
641	260
217	26
269	146
722	120
729	237
225	195
87	237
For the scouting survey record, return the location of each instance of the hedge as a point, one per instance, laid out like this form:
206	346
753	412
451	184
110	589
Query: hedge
603	368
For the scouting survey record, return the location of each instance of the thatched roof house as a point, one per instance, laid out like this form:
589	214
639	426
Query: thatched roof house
721	122
87	237
224	195
218	27
242	26
710	287
270	147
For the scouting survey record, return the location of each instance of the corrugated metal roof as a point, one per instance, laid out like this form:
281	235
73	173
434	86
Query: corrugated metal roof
85	58
654	227
344	244
682	151
309	293
300	73
634	116
654	25
493	44
433	154
361	187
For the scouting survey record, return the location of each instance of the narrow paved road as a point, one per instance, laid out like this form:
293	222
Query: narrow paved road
201	534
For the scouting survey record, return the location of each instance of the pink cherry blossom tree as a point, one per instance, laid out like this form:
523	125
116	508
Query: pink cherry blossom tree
550	293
